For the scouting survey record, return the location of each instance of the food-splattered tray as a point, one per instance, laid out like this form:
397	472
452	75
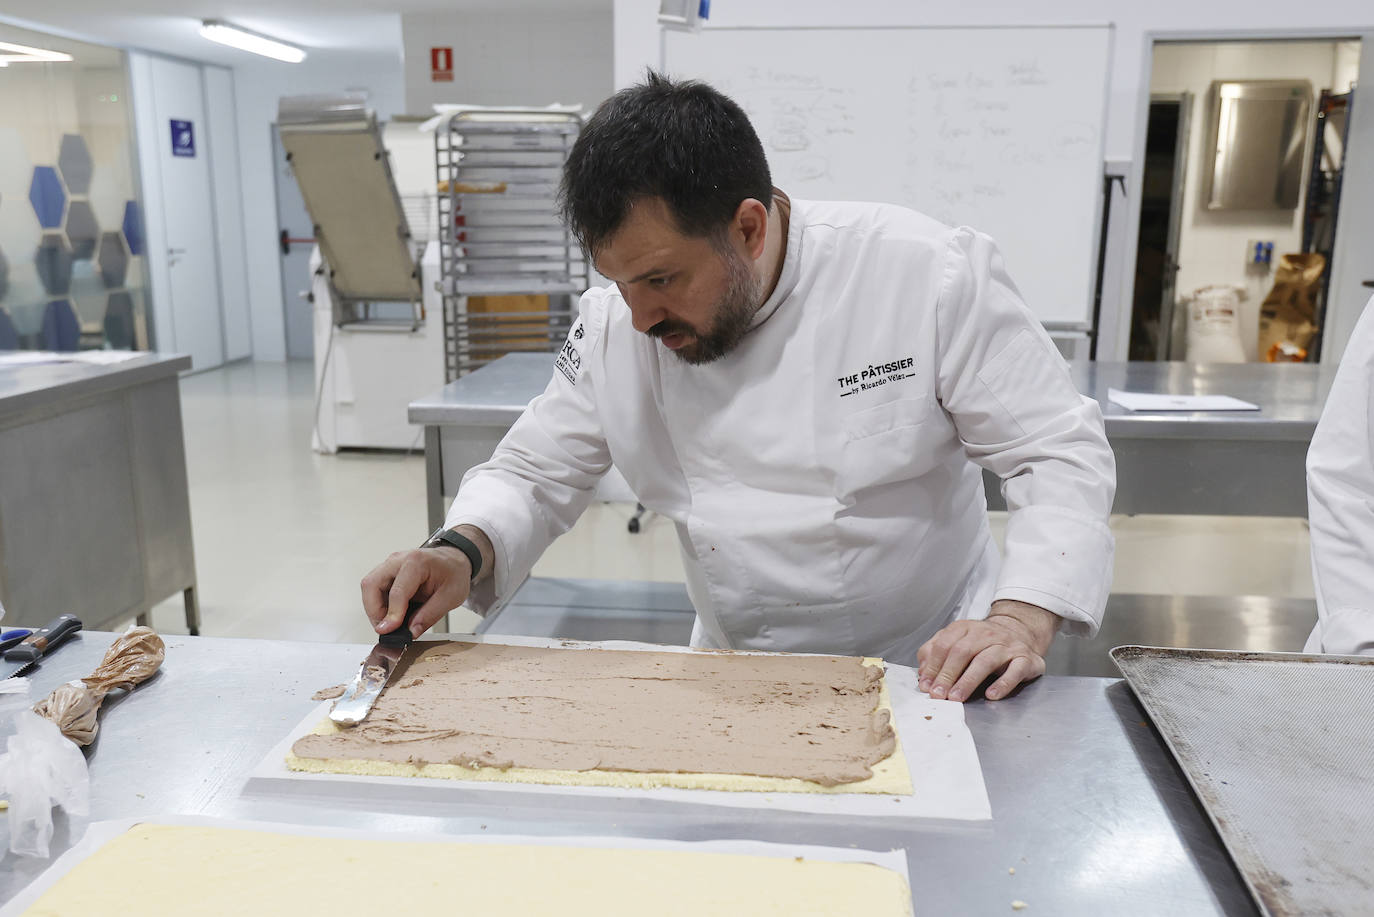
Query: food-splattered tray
1278	748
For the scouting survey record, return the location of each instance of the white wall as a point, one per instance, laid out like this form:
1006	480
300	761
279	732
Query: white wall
221	146
526	58
1345	69
258	86
637	45
1212	244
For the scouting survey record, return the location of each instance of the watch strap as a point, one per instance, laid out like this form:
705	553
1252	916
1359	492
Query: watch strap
449	538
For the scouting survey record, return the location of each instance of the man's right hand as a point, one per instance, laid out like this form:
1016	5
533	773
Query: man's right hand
439	577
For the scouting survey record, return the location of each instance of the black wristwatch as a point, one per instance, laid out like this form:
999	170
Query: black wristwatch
448	538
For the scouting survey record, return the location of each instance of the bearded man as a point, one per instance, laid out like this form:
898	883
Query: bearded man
809	391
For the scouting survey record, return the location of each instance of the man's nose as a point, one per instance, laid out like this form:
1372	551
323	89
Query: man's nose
643	314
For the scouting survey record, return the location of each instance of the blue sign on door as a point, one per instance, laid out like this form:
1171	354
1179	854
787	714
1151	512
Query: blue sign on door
183	138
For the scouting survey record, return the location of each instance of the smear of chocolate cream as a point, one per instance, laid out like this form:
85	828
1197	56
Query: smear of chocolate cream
328	693
490	705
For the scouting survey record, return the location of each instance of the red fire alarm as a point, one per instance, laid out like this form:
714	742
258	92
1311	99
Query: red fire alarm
441	65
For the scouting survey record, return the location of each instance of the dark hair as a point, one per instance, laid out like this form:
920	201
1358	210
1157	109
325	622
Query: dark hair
681	141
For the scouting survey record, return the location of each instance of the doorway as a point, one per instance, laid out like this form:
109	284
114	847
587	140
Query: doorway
1222	201
192	259
297	239
1161	208
1325	182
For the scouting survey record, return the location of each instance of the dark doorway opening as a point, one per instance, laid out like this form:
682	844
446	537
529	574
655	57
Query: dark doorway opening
1152	305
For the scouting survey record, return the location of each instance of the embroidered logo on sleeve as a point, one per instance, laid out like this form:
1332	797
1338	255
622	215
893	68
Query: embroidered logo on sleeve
875	375
569	361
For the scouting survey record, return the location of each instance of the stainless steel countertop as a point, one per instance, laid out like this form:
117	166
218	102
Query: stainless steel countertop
586	609
40	384
1088	806
495	394
1290	396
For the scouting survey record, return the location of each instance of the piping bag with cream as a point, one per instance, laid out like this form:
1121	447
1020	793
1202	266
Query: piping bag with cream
362	692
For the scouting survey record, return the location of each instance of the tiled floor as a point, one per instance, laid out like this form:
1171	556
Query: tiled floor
283	535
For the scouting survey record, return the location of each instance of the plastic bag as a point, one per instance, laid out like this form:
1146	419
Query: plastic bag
39	769
132	659
71	708
1213	327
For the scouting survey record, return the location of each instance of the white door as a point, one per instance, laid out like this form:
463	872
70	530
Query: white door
188	212
297	240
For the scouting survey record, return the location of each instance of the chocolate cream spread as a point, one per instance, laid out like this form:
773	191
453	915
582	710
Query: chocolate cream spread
492	705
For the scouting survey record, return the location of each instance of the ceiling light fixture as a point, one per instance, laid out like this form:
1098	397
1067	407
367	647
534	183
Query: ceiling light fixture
14	54
244	40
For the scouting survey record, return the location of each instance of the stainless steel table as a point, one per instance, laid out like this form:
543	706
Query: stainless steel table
1198	463
465	420
585	609
1088	806
592	609
1243	463
94	510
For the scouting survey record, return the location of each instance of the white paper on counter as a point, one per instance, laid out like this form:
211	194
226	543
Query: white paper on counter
93	357
100	833
105	357
939	749
29	357
1153	401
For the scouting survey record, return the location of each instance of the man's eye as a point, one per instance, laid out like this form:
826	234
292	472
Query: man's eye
659	281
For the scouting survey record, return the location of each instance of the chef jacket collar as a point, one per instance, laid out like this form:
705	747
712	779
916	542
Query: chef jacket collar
791	264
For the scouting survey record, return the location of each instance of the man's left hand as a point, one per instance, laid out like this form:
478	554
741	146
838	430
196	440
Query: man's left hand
1012	640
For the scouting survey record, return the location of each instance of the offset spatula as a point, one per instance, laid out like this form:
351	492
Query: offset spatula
362	692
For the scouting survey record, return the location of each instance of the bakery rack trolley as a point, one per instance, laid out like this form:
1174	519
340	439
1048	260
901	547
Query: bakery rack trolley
510	270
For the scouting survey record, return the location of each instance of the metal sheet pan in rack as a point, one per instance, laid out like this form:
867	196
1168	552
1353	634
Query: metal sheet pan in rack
506	284
1279	749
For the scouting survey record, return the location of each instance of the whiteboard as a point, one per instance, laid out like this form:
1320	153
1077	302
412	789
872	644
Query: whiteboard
1000	129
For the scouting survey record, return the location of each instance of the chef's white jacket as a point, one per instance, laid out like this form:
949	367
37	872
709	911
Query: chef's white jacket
824	476
1340	503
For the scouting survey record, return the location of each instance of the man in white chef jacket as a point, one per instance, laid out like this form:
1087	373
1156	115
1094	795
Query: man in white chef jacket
1340	503
809	391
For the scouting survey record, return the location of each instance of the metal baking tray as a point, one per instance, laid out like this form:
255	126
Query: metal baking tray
1279	748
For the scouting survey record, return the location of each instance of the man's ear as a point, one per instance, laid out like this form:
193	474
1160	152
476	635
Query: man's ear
750	227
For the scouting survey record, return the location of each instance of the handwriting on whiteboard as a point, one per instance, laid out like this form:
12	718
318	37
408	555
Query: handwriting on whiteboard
959	126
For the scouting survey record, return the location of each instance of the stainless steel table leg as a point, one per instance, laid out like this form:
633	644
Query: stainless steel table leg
434	486
434	476
143	619
192	611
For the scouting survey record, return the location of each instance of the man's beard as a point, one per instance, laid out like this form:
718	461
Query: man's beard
732	315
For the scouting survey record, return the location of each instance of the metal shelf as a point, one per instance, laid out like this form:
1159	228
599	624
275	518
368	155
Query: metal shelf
504	243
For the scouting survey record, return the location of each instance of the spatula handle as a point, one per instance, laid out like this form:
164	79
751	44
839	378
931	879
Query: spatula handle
401	636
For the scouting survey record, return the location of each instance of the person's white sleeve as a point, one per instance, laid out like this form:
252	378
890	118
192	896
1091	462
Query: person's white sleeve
544	472
1019	415
1340	503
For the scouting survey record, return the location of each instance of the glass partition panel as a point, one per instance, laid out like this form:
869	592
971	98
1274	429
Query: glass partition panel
72	266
